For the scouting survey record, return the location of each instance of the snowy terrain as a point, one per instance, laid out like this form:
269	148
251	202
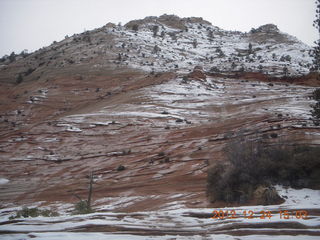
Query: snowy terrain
200	102
209	46
87	106
196	103
174	222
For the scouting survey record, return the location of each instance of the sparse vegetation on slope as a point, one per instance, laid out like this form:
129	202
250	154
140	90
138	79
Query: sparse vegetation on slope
165	43
34	212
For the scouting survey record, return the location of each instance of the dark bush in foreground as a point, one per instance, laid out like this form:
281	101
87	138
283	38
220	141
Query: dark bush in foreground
252	168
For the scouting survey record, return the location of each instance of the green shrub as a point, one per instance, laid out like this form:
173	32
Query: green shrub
214	69
135	27
161	154
29	71
19	79
273	135
34	212
82	207
121	168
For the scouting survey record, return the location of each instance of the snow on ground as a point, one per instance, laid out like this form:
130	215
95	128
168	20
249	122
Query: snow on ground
173	222
302	198
102	236
69	128
198	102
3	181
120	202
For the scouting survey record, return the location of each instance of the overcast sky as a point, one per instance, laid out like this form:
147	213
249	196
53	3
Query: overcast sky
31	24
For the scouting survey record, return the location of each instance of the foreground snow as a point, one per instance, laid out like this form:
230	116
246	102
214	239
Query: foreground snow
173	222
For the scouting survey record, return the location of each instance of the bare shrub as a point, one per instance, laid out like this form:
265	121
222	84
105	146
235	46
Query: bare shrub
253	165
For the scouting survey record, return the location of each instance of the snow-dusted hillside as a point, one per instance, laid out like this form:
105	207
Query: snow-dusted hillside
159	47
119	103
165	43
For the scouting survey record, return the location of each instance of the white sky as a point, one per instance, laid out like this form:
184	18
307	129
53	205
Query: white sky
31	24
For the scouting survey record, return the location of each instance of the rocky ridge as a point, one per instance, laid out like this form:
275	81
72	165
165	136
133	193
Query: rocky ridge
167	43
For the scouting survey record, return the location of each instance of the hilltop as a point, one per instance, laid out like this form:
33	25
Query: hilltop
166	43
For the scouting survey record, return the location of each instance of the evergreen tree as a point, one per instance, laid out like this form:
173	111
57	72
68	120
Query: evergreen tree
119	57
210	35
19	79
12	57
285	71
316	107
195	43
156	49
274	56
250	48
155	30
135	27
315	52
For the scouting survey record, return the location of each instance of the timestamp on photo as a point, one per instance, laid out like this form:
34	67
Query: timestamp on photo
263	214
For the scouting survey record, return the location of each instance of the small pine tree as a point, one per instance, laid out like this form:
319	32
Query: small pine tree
19	79
274	56
135	27
250	48
155	30
285	71
12	57
315	112
156	49
195	43
288	58
119	57
220	52
315	52
210	35
173	36
24	53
